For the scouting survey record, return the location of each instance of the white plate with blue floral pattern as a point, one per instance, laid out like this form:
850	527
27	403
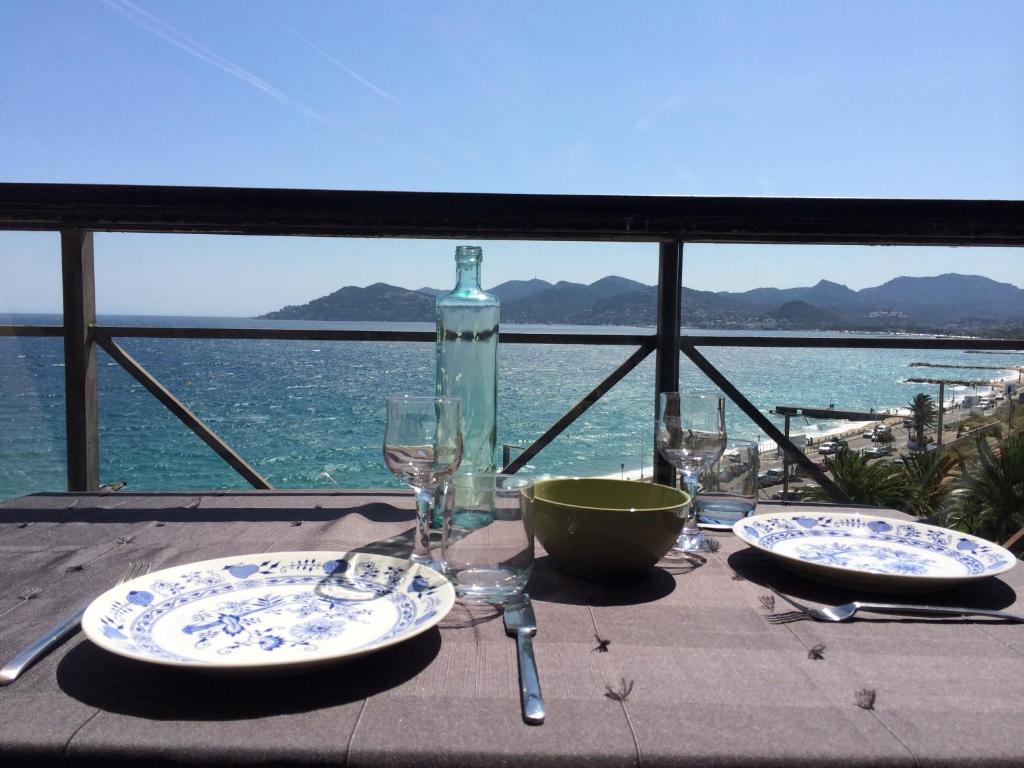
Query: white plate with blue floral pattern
874	553
269	612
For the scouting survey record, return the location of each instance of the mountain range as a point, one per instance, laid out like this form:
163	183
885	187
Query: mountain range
911	303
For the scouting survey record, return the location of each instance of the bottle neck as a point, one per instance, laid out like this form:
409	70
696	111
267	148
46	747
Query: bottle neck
468	275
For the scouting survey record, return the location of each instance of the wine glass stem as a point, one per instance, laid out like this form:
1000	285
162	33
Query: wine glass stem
690	485
424	514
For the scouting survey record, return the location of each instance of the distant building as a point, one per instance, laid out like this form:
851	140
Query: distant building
889	314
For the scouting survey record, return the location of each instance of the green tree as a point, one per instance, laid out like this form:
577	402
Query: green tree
928	476
989	499
876	484
923	414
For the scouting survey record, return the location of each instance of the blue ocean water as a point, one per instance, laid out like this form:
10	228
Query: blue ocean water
310	414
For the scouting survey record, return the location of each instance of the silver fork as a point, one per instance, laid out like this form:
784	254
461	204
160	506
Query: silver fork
846	611
13	669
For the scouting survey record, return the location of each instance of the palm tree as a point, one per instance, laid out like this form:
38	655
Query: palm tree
990	495
928	474
866	483
923	414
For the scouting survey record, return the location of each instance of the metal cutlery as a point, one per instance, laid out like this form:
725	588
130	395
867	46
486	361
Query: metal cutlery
13	669
520	621
847	611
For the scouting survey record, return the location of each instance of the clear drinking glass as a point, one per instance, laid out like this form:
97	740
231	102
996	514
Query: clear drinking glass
487	540
423	447
690	435
728	489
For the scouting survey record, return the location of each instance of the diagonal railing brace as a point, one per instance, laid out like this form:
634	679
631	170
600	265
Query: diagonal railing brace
794	453
1015	543
581	407
179	409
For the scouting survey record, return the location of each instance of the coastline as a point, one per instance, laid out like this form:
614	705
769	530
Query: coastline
845	430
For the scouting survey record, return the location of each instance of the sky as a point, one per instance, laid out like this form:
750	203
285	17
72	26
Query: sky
733	97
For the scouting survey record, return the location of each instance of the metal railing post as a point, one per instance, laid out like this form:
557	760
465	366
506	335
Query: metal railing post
81	402
666	351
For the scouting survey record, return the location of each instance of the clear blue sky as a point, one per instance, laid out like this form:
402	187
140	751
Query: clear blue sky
873	99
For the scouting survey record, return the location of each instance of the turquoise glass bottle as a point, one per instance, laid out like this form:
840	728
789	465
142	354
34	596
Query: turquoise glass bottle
467	358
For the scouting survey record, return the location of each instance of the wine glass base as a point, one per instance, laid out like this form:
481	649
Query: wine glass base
691	541
427	562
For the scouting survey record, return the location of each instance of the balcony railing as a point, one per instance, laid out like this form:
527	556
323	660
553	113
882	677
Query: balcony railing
77	211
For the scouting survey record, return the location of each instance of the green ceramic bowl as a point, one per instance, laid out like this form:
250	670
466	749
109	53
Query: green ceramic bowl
606	529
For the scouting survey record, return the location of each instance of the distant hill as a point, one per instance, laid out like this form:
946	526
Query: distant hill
825	294
962	297
918	302
379	301
700	309
615	286
943	301
803	314
563	302
514	290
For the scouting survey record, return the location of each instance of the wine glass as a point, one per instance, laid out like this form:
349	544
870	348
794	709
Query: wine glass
690	433
423	447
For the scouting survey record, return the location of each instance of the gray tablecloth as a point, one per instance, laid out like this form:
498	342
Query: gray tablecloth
711	681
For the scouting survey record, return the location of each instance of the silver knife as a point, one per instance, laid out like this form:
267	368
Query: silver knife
13	669
520	621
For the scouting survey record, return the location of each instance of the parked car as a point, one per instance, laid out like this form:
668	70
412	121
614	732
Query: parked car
769	477
832	446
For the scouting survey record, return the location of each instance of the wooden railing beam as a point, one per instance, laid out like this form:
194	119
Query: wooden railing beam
1015	543
624	218
32	330
666	360
81	404
589	339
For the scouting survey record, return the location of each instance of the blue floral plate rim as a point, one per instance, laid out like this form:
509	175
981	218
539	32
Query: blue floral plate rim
865	548
268	612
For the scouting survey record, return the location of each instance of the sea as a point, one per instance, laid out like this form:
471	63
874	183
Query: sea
310	414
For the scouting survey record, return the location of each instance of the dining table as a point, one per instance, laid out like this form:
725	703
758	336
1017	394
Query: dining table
682	666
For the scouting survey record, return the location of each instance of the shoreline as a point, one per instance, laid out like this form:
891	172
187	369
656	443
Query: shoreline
846	430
